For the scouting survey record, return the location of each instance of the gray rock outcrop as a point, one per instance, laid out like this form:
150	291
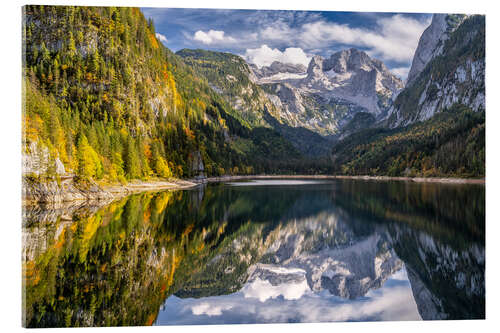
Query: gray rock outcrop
432	41
37	161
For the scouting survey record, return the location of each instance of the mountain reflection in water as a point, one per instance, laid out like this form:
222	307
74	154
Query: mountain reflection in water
269	251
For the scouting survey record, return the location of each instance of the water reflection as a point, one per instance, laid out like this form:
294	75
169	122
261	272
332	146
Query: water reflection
293	302
340	250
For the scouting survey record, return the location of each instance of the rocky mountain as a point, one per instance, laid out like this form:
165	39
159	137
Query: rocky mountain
439	272
448	69
230	76
431	42
436	124
239	84
323	98
327	96
445	265
278	71
348	271
101	105
323	251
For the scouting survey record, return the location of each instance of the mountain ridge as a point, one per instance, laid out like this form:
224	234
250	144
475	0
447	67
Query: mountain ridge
332	90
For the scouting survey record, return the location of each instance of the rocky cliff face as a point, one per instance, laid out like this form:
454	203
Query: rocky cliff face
322	98
52	191
319	252
431	42
37	161
231	77
448	68
327	96
197	167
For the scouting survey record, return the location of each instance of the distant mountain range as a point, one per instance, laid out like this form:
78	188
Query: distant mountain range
322	98
352	100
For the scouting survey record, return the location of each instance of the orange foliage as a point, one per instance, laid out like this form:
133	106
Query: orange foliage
60	242
151	319
146	215
154	42
189	133
147	151
188	230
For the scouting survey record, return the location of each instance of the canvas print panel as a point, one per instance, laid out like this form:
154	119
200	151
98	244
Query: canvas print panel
205	166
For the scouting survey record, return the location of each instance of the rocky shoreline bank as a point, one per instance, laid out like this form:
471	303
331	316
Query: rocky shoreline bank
53	192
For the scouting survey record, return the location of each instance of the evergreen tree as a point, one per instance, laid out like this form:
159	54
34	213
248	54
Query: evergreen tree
132	162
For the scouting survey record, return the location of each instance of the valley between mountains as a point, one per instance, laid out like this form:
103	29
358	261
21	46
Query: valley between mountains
105	102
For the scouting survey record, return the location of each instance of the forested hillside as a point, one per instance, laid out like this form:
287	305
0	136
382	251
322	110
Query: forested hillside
230	75
105	100
452	143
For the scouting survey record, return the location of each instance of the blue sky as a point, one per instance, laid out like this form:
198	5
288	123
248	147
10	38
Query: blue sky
262	36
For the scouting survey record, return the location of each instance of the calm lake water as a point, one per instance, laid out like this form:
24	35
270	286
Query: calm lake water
259	252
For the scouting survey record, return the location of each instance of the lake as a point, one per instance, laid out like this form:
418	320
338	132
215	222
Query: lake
259	251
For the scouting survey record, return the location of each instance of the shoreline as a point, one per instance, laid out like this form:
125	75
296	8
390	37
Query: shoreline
67	191
447	180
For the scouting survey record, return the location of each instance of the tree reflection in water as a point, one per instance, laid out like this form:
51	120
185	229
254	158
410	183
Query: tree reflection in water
116	265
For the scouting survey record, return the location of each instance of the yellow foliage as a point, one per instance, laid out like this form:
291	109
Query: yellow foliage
91	225
89	163
162	169
221	228
161	201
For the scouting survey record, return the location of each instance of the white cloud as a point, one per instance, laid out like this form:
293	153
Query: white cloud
264	56
209	309
392	38
402	72
395	39
279	31
161	38
212	37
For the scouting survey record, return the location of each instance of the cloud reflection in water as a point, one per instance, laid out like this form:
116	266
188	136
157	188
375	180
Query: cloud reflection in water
260	302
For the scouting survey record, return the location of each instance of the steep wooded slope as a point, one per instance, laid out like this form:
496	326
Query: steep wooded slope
105	100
